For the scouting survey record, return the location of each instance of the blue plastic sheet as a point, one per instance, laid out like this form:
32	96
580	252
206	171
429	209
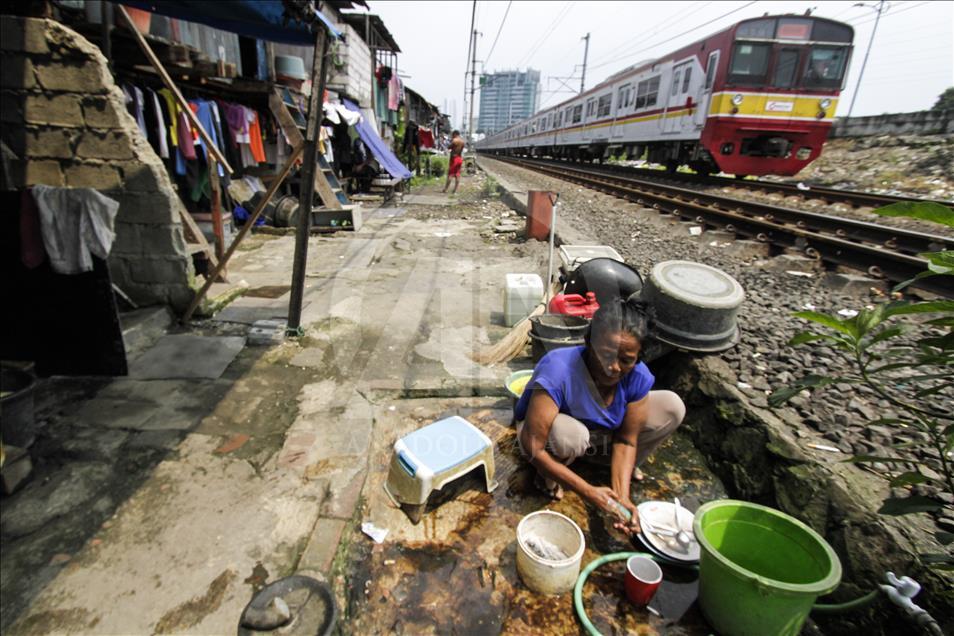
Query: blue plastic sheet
260	19
378	148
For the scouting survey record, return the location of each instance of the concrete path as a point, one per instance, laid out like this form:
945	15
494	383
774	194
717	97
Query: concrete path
264	466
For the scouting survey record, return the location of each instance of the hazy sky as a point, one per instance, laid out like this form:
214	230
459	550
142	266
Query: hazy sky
911	62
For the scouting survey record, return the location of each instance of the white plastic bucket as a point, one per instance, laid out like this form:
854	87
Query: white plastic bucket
544	575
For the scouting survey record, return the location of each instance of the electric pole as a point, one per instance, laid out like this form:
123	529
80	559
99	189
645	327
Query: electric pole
879	9
473	77
470	50
586	51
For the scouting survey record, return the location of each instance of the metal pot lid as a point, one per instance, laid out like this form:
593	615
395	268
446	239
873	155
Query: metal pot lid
697	285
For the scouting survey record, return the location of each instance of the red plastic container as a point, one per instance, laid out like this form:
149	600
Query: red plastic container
574	305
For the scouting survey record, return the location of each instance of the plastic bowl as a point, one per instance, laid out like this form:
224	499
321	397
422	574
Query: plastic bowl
513	377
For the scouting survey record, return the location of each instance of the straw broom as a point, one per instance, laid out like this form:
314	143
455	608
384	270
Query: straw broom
511	345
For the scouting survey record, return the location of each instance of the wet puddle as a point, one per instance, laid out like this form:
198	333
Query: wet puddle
456	572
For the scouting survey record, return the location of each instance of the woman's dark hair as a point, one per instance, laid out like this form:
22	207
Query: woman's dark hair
635	317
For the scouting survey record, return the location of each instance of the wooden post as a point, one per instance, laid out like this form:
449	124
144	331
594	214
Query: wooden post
272	189
218	227
183	104
307	187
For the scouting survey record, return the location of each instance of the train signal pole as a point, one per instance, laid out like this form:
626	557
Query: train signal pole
586	52
880	9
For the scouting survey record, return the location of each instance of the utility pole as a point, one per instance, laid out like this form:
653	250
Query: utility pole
473	76
586	52
470	51
879	9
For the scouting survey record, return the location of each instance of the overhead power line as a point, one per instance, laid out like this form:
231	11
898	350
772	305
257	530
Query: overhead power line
633	41
546	35
695	28
497	37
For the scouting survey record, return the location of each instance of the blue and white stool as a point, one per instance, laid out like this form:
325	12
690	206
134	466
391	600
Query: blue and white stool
431	457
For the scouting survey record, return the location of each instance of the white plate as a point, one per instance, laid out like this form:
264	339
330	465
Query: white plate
661	515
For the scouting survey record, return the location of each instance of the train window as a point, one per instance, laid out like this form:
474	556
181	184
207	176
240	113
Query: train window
590	108
652	90
825	67
786	65
577	113
549	121
675	82
567	114
749	63
685	79
711	69
605	105
825	31
762	29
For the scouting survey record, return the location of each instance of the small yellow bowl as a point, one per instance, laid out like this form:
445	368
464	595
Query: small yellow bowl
517	381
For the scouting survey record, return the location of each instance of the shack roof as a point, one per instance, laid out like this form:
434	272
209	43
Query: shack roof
379	38
260	19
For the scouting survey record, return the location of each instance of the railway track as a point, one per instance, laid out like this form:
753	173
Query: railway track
853	198
881	251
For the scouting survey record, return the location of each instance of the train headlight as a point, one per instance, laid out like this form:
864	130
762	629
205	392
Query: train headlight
737	99
803	153
825	103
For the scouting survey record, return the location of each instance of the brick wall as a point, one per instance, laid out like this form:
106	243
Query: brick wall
64	120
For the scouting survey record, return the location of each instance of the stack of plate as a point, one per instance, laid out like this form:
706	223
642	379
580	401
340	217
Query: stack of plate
660	515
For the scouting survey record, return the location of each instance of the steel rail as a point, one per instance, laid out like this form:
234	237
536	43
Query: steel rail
853	198
779	226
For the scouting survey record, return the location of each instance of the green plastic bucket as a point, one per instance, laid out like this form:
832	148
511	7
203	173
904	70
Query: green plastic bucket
760	570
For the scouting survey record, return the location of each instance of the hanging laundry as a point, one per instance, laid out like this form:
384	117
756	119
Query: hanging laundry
160	126
425	137
255	137
75	223
394	92
134	104
32	253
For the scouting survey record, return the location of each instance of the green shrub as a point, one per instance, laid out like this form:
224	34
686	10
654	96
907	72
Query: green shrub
438	165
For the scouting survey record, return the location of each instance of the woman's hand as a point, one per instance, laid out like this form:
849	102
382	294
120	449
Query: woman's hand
630	527
606	499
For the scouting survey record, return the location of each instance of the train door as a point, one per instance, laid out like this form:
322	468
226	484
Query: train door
675	100
588	116
624	99
705	91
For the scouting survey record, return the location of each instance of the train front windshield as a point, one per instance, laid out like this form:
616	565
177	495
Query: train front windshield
790	52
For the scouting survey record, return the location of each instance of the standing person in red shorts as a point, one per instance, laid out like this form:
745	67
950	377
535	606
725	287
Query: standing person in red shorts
456	161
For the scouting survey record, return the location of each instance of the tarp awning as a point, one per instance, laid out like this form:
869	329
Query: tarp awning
260	19
378	148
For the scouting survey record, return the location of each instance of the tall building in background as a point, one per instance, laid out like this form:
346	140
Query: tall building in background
506	98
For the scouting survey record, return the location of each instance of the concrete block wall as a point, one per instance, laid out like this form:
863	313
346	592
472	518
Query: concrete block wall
65	122
925	122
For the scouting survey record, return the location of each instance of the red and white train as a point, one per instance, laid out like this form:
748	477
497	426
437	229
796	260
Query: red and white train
756	98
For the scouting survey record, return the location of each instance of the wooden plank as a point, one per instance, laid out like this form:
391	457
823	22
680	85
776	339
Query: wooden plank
277	105
272	189
194	232
183	104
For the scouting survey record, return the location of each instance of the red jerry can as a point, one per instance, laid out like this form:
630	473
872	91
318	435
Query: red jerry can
539	214
574	305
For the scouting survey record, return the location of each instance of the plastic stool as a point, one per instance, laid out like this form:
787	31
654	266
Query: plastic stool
431	457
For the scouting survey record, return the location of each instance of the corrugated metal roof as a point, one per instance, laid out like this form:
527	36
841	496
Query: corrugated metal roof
381	38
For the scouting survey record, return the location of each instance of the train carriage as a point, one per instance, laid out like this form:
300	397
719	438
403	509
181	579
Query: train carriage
756	98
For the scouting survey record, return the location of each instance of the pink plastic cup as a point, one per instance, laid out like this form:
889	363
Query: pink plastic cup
643	577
